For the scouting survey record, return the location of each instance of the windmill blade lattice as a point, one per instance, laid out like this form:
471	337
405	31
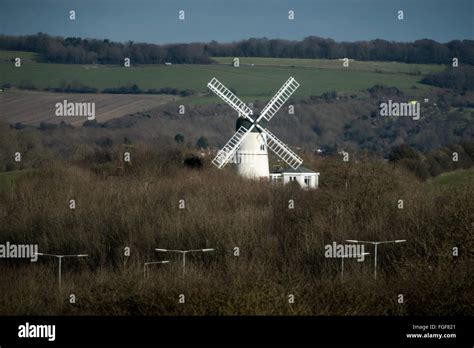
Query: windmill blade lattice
284	93
231	147
281	150
230	98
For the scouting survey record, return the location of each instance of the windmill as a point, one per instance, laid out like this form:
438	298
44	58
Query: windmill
248	146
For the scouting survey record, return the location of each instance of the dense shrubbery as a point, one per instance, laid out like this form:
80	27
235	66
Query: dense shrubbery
382	91
128	89
459	79
134	89
458	156
281	249
72	88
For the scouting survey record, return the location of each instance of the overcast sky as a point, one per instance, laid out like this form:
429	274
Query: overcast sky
156	21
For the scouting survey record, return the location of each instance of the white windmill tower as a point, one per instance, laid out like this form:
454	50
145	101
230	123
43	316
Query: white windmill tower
248	146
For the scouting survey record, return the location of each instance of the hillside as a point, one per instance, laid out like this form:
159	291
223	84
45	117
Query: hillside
335	107
348	122
282	250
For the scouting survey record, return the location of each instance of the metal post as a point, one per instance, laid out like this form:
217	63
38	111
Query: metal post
59	274
342	264
375	267
184	263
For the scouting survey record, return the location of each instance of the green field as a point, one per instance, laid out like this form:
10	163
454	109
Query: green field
7	56
380	67
251	82
8	179
455	178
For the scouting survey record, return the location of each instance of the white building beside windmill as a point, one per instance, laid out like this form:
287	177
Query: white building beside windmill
305	177
248	147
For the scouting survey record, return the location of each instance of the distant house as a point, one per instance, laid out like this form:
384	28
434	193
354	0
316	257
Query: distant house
305	177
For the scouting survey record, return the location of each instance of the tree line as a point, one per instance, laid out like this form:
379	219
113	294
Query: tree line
460	79
76	50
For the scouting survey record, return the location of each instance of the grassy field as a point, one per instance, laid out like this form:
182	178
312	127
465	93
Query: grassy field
381	67
454	179
251	83
33	107
9	179
26	57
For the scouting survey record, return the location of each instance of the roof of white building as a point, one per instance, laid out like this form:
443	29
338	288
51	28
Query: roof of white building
300	169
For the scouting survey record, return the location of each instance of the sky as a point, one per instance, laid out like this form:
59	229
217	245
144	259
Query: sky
156	21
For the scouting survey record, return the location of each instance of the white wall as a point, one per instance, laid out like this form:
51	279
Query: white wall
314	177
252	161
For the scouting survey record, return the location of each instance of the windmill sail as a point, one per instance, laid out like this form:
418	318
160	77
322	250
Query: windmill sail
230	98
276	145
285	92
281	150
231	147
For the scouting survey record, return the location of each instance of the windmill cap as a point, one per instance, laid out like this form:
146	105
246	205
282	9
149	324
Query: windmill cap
243	122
